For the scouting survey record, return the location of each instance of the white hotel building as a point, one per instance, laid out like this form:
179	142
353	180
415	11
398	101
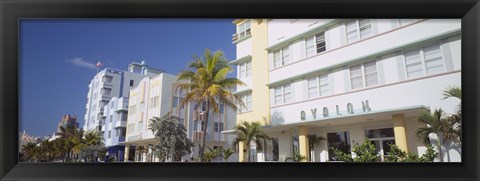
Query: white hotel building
346	80
158	95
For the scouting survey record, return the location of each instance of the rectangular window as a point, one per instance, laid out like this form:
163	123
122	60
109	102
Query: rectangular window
111	118
247	100
358	29
107	91
318	85
221	107
140	126
382	139
363	75
242	70
283	94
243	29
117	133
315	44
403	22
195	125
340	141
131	83
215	126
248	65
107	79
175	102
424	61
281	57
221	127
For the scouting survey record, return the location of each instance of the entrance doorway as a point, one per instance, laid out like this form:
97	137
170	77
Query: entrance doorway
382	139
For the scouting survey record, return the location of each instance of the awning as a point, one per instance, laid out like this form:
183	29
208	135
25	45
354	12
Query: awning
362	117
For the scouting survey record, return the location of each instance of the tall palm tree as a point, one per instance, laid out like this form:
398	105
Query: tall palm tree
454	121
30	151
206	84
437	124
313	140
248	132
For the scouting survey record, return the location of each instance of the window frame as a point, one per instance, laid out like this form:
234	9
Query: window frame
318	85
315	44
281	57
358	30
421	54
246	31
282	94
363	74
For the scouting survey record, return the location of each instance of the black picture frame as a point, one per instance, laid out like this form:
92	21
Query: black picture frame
13	10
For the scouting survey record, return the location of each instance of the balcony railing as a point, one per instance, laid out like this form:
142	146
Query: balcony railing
120	124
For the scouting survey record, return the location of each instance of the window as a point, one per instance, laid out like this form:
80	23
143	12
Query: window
131	83
117	133
340	141
245	69
215	126
363	75
424	61
313	86
358	29
247	100
123	131
315	44
109	134
220	127
111	118
175	102
281	57
403	22
221	107
195	125
107	79
243	29
107	91
382	139
140	126
283	94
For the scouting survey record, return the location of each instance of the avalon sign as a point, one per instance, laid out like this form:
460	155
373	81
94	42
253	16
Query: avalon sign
325	112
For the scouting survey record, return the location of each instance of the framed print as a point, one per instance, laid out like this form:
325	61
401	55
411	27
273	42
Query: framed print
227	90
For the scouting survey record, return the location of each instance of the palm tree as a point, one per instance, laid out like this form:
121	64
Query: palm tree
248	132
454	121
30	151
206	84
296	158
436	123
313	140
226	153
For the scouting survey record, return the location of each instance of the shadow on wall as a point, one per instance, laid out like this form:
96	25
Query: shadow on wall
277	119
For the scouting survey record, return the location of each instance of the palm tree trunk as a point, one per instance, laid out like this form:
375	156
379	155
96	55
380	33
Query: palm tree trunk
440	153
204	129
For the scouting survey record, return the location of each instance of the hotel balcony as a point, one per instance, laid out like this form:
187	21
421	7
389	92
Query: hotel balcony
122	105
120	124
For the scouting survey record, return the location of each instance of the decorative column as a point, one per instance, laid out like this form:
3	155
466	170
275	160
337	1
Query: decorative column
241	154
303	141
399	130
126	153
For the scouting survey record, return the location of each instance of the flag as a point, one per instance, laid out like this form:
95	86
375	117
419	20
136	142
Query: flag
99	64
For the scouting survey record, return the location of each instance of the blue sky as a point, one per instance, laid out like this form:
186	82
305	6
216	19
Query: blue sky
57	58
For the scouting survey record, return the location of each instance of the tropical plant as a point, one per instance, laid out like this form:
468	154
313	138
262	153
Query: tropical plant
171	137
313	140
364	152
205	83
454	121
91	146
211	154
248	132
397	155
226	153
437	124
296	157
30	152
